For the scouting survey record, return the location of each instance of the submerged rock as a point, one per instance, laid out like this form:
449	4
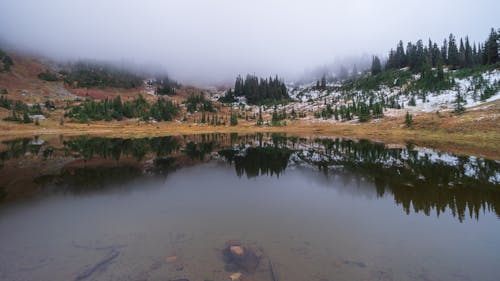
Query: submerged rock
240	258
171	259
237	251
235	276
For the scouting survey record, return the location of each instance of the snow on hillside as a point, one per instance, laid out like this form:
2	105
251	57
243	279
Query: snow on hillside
447	99
310	99
307	99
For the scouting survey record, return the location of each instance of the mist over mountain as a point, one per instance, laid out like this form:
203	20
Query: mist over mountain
210	42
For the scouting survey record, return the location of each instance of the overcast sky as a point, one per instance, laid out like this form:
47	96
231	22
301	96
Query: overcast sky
213	40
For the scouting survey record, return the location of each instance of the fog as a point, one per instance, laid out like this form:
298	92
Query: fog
212	41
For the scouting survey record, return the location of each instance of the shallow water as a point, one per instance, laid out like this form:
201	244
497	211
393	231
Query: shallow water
316	209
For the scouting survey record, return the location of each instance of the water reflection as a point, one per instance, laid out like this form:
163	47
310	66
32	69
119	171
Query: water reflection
419	180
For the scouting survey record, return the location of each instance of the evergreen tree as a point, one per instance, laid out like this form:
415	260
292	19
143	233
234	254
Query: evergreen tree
461	53
469	59
203	118
26	118
260	121
275	119
491	48
400	55
444	52
323	82
440	71
459	103
453	55
408	119
233	118
376	66
354	72
261	91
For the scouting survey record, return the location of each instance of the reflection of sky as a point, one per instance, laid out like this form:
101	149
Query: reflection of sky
208	204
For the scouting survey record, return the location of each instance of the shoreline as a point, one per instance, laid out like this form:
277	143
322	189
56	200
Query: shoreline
481	141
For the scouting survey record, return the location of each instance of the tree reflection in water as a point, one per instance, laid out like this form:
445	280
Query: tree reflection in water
421	180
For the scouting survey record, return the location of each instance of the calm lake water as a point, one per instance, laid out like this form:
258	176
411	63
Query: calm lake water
167	208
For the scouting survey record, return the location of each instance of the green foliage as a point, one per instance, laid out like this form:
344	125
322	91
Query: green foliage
6	62
260	121
431	81
326	113
233	118
229	97
199	103
4	92
412	101
50	105
161	110
277	117
376	66
165	86
455	55
390	78
491	48
364	111
459	103
408	119
20	111
476	70
261	91
47	76
86	75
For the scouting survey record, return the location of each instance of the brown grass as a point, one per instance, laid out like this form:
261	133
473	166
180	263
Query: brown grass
469	134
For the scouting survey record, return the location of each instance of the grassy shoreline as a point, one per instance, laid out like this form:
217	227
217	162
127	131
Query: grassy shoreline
466	134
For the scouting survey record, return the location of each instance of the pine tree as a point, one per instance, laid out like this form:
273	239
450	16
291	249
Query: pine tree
459	103
444	52
408	119
412	101
440	71
233	118
26	118
453	55
461	53
293	114
491	48
323	82
376	66
400	55
469	59
354	72
203	120
275	118
260	121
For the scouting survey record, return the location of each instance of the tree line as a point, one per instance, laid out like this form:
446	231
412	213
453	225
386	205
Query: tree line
165	86
107	110
87	74
259	90
454	53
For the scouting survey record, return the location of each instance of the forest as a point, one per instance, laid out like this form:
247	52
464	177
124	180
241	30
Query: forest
259	90
453	53
107	110
87	74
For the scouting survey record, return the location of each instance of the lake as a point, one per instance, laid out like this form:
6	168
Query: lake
248	207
